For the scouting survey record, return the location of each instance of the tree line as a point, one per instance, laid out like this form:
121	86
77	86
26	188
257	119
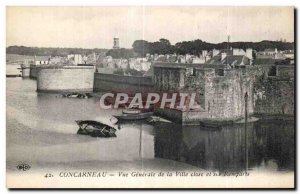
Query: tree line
142	47
195	47
44	51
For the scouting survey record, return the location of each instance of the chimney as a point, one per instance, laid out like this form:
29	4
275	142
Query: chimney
249	53
223	56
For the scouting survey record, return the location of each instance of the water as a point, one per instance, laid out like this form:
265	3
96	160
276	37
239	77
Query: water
13	70
41	132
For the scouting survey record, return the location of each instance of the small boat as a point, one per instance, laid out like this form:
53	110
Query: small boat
74	95
95	128
249	120
133	114
155	119
131	111
210	125
77	95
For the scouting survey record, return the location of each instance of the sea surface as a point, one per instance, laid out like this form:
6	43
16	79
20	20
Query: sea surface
41	132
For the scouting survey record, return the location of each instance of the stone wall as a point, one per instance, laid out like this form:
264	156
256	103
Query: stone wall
169	78
285	71
33	71
120	83
65	79
221	92
274	96
25	70
221	96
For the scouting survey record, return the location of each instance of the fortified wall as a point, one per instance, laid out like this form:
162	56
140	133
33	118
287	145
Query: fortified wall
120	83
220	92
274	94
25	70
33	71
65	78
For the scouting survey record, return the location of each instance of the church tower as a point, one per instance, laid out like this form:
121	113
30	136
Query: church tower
116	43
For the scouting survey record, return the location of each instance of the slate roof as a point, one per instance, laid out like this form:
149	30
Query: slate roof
214	60
231	60
236	60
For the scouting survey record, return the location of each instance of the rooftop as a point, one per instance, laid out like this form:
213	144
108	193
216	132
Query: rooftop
265	61
229	59
41	58
185	65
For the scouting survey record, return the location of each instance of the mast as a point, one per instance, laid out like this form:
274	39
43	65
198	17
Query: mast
246	139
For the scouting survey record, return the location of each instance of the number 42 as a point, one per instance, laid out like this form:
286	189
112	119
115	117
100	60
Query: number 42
48	175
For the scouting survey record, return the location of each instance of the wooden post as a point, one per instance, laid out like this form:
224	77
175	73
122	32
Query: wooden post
141	136
246	139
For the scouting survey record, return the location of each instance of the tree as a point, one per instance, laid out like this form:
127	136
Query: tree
165	42
141	47
120	53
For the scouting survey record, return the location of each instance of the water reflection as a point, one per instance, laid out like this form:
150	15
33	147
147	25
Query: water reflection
269	143
45	123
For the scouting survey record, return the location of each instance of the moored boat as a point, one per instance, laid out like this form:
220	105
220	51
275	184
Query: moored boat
131	111
76	95
95	128
210	125
133	114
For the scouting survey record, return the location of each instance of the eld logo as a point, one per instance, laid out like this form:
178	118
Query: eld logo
23	167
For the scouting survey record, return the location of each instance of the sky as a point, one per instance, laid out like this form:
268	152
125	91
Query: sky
95	27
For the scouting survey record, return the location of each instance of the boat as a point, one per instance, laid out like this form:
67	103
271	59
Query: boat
77	95
133	114
112	100
131	111
156	119
95	128
249	120
210	125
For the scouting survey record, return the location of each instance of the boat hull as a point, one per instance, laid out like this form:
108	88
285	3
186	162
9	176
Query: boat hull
95	129
139	116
